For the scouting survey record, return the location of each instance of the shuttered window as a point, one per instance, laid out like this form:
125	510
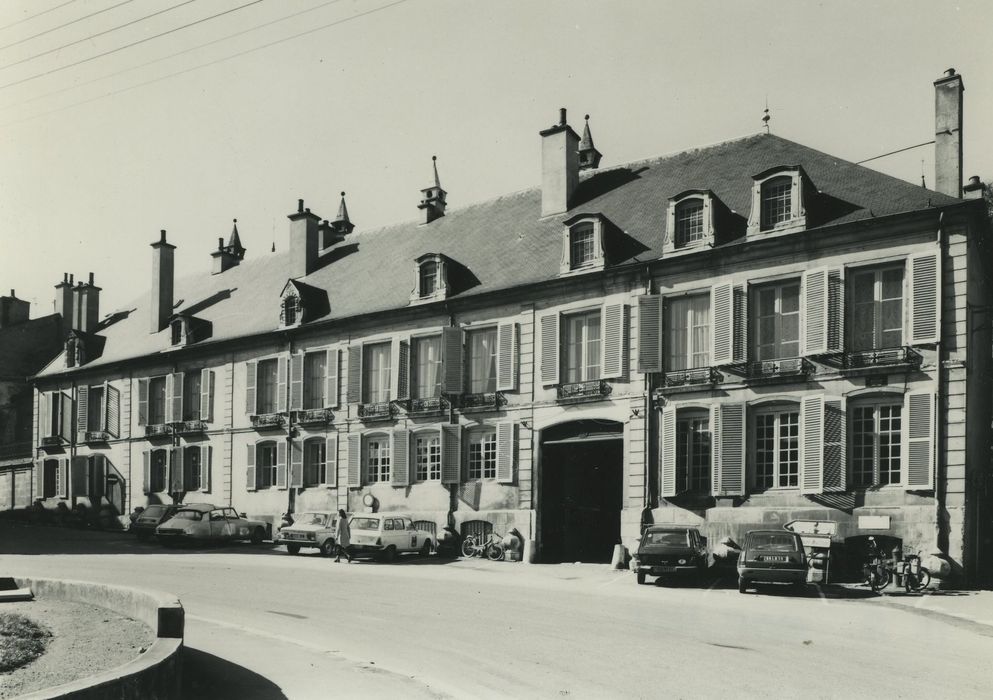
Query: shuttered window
156	401
265	463
693	451
482	455
776	448
95	409
193	467
777	321
267	382
427	455
482	376
315	379
687	332
376	373
377	459
581	347
158	471
426	364
314	462
876	308
192	395
876	442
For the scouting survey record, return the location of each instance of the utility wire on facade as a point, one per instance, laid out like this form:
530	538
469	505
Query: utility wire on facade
901	150
63	26
43	12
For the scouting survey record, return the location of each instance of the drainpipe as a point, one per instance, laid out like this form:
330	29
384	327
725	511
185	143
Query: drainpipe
941	534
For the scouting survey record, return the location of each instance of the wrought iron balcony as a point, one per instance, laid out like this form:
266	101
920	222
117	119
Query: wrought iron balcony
158	430
583	391
486	401
435	405
314	416
188	427
697	375
14	450
53	441
787	367
268	420
96	436
882	357
377	411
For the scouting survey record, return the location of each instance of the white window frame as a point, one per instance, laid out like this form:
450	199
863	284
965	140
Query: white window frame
470	380
598	258
309	380
275	385
776	410
690	349
384	374
441	287
415	368
260	468
676	204
431	461
876	403
481	448
851	303
585	366
319	470
797	219
685	431
754	293
383	469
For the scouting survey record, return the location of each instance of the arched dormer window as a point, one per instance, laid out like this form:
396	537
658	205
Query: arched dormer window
583	244
689	223
780	197
430	278
696	219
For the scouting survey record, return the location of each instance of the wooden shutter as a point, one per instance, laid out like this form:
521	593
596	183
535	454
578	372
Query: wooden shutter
400	452
731	472
251	368
925	281
176	475
835	445
835	311
400	376
919	441
812	444
82	411
715	447
80	476
146	479
740	323
174	405
649	333
281	464
282	386
451	341
98	477
815	311
667	473
296	464
143	403
549	348
505	452
331	461
296	382
250	483
354	374
62	478
354	461
451	454
39	479
206	395
331	385
613	331
206	454
113	414
46	413
722	326
64	403
507	361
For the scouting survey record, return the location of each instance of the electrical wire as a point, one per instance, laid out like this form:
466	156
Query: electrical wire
94	36
43	12
128	46
67	24
908	148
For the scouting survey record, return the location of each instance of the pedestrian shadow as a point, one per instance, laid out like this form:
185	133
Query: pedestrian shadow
209	676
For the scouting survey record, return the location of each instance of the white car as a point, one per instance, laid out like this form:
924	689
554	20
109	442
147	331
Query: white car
310	529
387	535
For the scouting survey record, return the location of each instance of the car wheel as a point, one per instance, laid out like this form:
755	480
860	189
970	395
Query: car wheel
390	554
327	547
742	585
293	548
641	578
426	549
258	534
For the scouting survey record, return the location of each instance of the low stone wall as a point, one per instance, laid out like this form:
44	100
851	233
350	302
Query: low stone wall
156	674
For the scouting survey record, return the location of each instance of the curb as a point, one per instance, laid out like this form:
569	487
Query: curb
156	673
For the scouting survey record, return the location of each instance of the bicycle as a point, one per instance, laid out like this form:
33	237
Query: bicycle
879	572
490	547
915	576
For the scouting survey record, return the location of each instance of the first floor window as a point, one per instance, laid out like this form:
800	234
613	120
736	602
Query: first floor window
191	396
376	373
876	434
427	367
159	473
876	318
482	456
428	455
192	476
693	451
95	408
267	382
777	449
482	360
156	400
777	321
265	464
582	347
687	323
314	462
377	460
314	373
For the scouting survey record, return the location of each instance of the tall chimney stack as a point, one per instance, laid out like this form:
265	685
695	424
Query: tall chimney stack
89	306
559	166
162	282
77	307
948	91
63	301
13	310
305	241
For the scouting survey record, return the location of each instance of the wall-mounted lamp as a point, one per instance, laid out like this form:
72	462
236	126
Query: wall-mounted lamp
635	412
658	400
526	424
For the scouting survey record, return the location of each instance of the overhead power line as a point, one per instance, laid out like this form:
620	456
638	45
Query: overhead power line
128	46
901	150
67	24
43	12
94	36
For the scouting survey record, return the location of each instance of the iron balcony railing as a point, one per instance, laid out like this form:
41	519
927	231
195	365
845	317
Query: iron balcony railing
96	436
158	430
268	420
53	441
577	392
489	400
384	410
697	375
314	416
434	405
188	427
786	367
882	357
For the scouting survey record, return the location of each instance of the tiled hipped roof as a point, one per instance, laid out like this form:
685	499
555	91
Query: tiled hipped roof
502	243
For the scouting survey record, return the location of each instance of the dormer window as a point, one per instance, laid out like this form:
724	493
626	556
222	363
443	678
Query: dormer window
176	332
430	278
693	220
72	348
780	198
777	201
689	223
583	244
291	311
186	330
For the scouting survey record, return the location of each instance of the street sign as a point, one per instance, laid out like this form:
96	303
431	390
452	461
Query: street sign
813	527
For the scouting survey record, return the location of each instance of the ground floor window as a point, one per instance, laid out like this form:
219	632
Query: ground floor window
193	477
428	454
482	455
158	472
377	459
876	437
314	462
693	451
51	478
777	449
265	465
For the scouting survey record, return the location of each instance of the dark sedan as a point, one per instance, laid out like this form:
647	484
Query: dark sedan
154	515
671	551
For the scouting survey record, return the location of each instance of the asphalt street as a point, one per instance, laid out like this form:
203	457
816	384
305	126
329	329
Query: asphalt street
263	624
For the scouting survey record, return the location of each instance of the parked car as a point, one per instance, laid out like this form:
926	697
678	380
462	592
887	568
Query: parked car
386	535
310	529
202	521
671	551
144	523
772	556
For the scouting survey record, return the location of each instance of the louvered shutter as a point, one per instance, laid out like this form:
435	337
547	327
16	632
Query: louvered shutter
400	451
146	466
39	479
331	461
98	476
815	311
507	357
451	340
281	464
835	445
613	331
919	441
176	476
667	474
80	476
649	333
113	398
812	444
45	413
206	454
505	452
331	387
740	324
924	298
721	305
177	398
715	447
250	482
296	464
354	374
64	403
731	472
835	311
282	385
251	377
550	348
143	403
451	454
82	412
206	395
400	355
62	478
296	382
354	461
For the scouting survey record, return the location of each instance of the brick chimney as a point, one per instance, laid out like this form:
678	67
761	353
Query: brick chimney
63	301
13	310
88	301
162	282
559	166
305	241
77	306
948	91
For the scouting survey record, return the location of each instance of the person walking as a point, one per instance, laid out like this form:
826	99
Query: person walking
342	537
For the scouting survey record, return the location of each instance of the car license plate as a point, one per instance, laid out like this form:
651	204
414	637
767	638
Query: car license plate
774	558
664	569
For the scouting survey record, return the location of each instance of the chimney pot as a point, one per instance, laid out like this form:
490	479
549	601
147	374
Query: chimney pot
300	206
70	278
220	243
974	180
91	279
949	73
562	121
162	236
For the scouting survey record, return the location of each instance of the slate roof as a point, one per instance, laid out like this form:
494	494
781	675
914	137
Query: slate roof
28	346
502	243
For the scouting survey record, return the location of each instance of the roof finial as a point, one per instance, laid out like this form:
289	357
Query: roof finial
923	183
765	116
273	247
434	164
589	156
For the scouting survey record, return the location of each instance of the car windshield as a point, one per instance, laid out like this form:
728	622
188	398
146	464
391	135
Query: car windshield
188	515
772	541
153	512
310	519
365	523
670	538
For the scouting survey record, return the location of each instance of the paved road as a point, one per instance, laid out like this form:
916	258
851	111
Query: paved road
304	627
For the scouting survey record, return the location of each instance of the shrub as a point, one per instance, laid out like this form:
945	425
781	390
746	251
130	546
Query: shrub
21	641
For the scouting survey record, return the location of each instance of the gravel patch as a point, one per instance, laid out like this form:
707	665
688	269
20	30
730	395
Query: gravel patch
86	639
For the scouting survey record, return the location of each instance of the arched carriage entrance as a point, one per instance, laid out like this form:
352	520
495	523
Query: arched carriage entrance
581	490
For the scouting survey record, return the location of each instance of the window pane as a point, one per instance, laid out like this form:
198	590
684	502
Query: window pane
765	450
191	395
582	347
776	201
482	361
376	373
313	462
427	367
581	245
156	400
377	460
314	367
689	222
266	386
428	456
429	278
482	456
95	408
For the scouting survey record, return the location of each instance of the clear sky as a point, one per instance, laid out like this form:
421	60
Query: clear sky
229	118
